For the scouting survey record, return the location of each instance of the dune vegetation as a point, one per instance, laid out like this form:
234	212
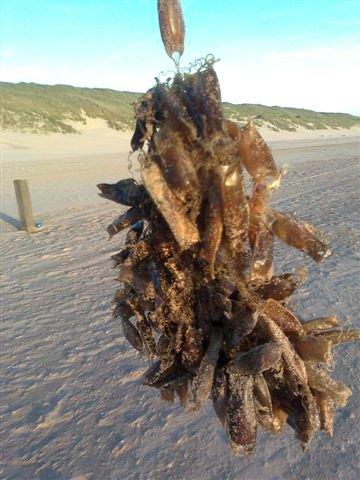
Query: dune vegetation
54	109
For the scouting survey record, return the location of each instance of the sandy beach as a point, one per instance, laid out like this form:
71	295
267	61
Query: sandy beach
63	170
73	407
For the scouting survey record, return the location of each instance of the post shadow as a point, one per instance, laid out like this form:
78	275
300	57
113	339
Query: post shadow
10	220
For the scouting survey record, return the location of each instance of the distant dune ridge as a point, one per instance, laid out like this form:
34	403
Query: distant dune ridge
30	107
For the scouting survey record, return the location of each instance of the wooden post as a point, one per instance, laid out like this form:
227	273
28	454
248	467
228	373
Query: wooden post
24	205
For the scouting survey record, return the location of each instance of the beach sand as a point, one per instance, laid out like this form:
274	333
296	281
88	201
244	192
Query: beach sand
63	170
73	407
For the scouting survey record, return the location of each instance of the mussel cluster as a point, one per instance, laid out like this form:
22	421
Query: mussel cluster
198	295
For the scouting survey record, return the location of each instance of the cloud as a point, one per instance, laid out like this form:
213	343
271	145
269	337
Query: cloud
324	55
323	79
7	52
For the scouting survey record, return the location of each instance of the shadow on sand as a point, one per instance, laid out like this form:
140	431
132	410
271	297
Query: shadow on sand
10	220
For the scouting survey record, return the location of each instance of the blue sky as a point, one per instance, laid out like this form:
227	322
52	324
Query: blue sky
290	53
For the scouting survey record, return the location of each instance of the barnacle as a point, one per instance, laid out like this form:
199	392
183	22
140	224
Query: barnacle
198	295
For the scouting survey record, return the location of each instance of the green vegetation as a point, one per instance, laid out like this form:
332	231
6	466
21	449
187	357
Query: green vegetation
48	109
279	118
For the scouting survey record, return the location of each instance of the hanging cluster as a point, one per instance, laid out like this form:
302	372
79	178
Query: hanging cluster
198	295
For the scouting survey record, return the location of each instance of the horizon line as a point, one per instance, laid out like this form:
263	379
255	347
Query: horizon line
141	93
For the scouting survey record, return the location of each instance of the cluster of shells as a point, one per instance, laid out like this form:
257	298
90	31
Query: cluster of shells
198	295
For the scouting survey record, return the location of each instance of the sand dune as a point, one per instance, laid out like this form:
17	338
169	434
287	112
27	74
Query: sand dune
73	407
